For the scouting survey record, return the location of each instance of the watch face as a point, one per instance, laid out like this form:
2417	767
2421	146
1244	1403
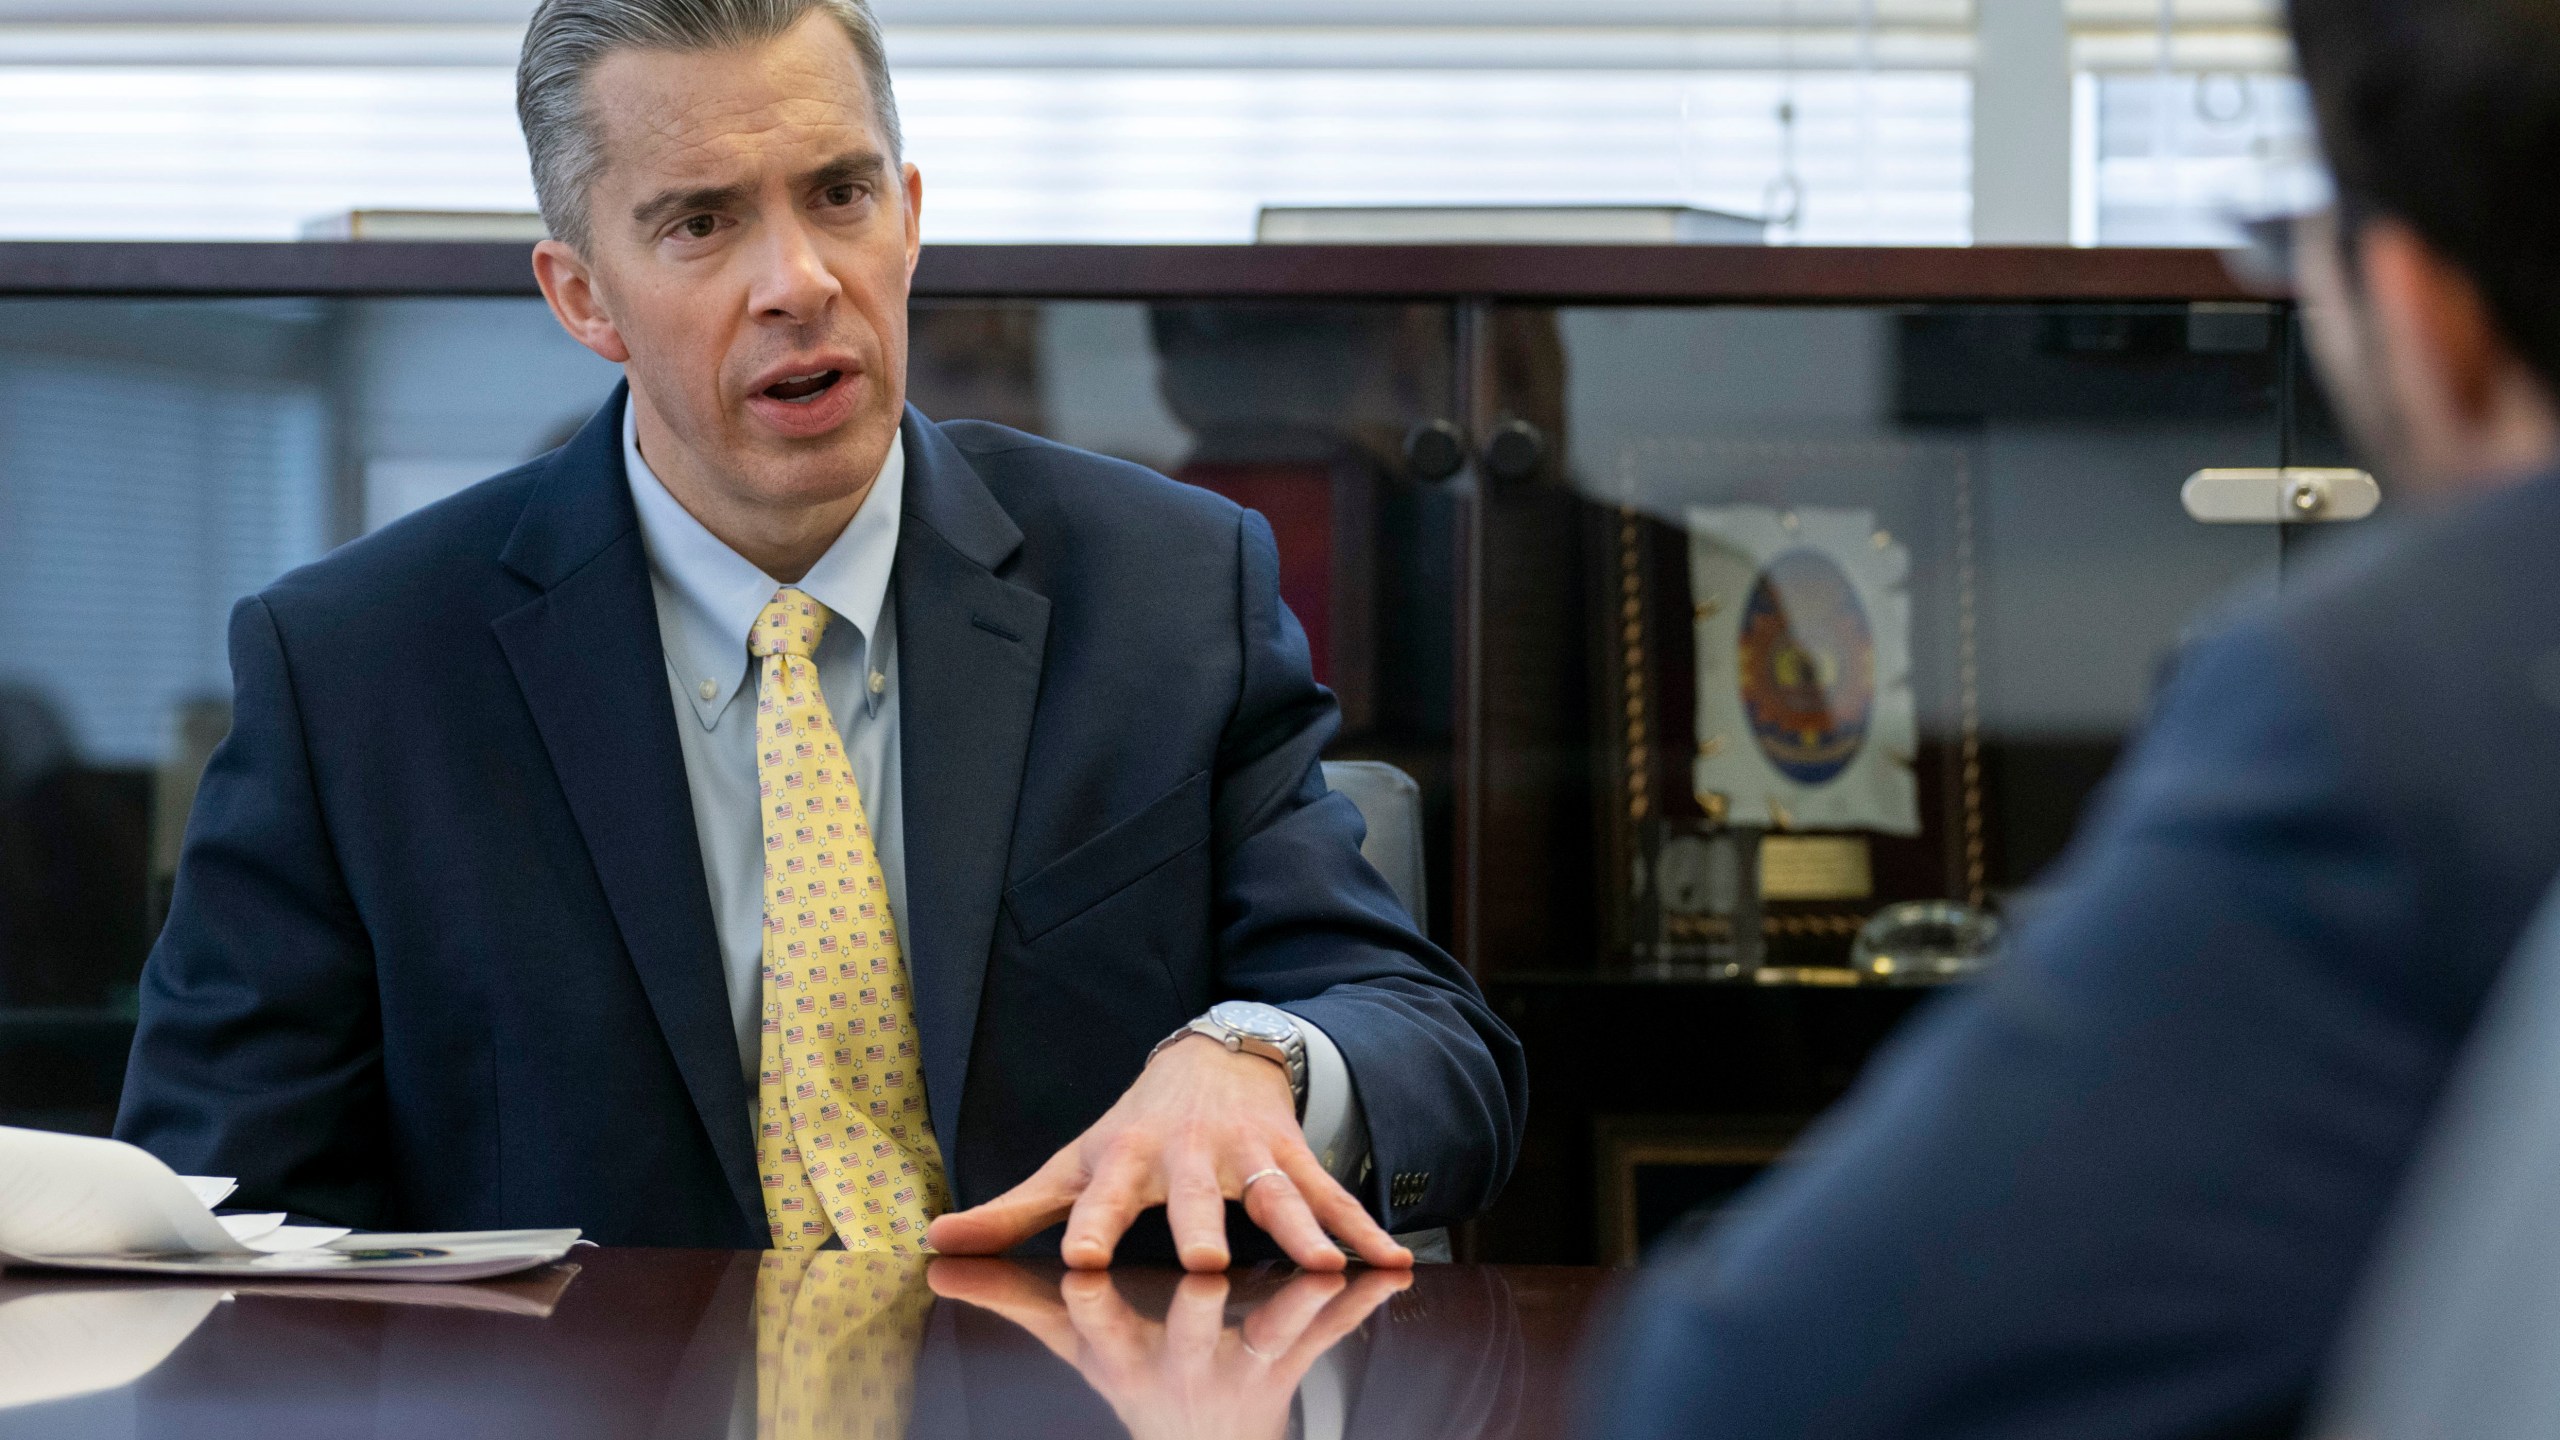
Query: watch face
1255	1021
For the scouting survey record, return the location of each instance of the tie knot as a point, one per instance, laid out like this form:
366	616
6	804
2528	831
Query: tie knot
790	625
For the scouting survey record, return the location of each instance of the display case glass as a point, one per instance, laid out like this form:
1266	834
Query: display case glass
1721	601
1800	613
161	457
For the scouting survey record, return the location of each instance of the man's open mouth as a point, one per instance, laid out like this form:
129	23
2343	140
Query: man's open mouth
801	389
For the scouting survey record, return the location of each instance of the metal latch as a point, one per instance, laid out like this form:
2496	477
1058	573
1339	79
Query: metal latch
2294	495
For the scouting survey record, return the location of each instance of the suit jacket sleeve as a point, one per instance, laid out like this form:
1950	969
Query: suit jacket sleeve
1304	922
258	1050
2125	1188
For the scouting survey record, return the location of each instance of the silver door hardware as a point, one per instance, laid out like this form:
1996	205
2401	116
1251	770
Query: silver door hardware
2294	495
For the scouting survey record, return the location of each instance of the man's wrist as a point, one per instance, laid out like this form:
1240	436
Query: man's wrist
1265	1032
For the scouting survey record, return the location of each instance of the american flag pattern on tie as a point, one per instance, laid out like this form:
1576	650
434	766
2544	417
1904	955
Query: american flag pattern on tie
843	1139
837	1337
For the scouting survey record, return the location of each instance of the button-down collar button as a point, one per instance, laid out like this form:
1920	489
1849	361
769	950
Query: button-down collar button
879	683
708	689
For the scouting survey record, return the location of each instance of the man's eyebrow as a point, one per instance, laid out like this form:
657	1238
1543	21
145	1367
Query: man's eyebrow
667	204
851	168
847	169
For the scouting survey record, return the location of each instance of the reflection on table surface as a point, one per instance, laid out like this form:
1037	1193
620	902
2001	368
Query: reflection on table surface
682	1343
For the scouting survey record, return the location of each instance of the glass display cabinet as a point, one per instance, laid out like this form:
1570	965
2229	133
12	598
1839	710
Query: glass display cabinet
1729	604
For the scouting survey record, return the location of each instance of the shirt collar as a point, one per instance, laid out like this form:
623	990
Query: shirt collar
718	593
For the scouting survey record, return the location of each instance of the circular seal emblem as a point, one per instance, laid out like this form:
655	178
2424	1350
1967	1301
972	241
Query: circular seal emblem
1808	661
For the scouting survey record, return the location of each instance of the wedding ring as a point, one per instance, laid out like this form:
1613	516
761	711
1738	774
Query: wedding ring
1265	1173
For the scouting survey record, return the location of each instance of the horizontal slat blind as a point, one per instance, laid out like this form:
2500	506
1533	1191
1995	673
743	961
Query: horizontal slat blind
1189	155
119	563
1027	154
2188	119
2201	34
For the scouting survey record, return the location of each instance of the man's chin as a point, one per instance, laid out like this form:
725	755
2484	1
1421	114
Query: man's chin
820	468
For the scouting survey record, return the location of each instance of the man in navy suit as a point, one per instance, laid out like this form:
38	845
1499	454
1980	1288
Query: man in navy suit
2125	1188
471	925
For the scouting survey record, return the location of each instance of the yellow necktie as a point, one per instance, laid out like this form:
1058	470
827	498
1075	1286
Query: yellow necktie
837	1337
842	1137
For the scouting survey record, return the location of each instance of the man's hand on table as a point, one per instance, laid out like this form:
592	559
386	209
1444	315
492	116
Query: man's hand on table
1199	1123
1192	1374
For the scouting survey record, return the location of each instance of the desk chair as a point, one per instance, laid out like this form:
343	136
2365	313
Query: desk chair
1391	803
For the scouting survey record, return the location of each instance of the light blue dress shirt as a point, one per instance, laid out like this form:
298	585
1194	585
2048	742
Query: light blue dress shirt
708	597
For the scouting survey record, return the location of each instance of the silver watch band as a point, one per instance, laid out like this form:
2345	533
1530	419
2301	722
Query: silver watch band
1290	1056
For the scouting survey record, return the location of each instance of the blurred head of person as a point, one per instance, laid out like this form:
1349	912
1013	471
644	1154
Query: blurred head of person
733	224
2432	290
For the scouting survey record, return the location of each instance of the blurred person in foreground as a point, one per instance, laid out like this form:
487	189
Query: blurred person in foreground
2457	1336
778	818
2126	1187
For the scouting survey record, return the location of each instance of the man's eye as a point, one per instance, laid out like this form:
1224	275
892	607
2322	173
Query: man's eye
842	194
700	227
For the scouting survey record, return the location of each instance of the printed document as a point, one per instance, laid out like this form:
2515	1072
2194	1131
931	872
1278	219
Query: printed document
81	1203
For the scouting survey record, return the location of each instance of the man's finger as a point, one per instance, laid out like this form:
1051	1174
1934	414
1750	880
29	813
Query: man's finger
1197	1319
1275	1205
1276	1323
1341	1315
999	1285
1196	1208
1346	1217
1014	1216
1119	1344
1008	1290
1124	1184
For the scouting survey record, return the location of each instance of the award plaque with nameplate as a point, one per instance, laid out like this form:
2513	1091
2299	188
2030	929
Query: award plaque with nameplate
1788	708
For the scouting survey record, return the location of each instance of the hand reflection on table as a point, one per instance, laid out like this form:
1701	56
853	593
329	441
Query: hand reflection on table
701	1345
1201	1370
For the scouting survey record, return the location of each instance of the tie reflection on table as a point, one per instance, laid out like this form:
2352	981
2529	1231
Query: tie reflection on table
838	1334
705	1345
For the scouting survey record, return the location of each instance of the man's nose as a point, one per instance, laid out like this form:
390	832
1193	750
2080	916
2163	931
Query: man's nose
793	282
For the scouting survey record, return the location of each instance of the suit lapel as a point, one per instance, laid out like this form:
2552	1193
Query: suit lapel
586	653
970	645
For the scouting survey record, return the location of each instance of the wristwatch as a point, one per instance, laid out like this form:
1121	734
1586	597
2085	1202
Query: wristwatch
1247	1027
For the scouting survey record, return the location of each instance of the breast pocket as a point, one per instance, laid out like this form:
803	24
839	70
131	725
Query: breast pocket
1171	826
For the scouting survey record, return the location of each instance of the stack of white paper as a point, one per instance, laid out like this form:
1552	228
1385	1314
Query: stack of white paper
75	1202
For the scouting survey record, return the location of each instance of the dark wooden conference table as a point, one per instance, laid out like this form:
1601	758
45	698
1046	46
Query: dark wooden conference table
695	1343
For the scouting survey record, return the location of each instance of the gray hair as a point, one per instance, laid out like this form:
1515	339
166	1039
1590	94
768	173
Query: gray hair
568	39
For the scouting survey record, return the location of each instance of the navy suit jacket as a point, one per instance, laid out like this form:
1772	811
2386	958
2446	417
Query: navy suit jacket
2126	1187
441	951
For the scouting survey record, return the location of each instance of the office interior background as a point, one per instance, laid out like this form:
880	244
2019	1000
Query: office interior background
1505	621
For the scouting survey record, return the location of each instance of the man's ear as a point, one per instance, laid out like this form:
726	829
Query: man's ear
569	284
911	185
2447	356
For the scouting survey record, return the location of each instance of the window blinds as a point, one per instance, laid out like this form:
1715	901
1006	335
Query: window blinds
1033	153
2188	118
119	564
1176	119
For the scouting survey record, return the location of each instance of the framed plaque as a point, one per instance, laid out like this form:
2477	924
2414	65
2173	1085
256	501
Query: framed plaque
1789	715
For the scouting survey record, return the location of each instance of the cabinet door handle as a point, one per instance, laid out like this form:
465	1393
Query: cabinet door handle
1515	452
2292	495
1435	450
